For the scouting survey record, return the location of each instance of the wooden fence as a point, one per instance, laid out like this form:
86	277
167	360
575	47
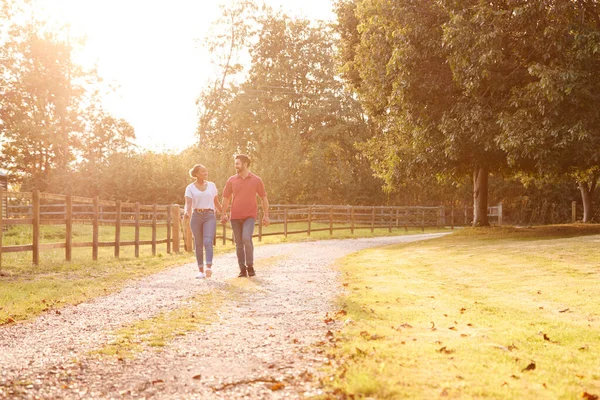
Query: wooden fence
316	218
37	209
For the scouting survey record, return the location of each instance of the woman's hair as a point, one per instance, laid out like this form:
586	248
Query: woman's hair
243	158
195	168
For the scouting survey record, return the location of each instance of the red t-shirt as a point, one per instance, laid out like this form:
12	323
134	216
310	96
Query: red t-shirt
244	191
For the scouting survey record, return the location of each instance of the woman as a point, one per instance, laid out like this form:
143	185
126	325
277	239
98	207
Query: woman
201	199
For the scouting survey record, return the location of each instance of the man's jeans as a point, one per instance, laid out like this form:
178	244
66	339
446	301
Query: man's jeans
242	233
204	228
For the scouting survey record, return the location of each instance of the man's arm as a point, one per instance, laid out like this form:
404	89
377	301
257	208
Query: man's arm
265	207
224	209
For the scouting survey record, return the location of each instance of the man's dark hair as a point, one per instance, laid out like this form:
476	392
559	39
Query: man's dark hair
243	158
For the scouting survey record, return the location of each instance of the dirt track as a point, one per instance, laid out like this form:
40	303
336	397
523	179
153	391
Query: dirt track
267	339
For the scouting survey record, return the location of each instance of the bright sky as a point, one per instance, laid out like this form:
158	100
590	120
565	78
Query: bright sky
148	48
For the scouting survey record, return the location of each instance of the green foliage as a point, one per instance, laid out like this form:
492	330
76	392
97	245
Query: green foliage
51	122
291	114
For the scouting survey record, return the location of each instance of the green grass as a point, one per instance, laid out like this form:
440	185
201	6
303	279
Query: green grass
464	315
28	290
196	313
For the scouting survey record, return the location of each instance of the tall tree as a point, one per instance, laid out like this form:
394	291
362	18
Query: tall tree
50	116
397	61
292	115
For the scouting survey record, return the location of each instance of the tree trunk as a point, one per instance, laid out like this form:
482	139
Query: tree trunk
480	196
587	192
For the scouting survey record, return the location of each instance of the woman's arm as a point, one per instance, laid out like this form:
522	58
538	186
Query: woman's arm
187	209
218	206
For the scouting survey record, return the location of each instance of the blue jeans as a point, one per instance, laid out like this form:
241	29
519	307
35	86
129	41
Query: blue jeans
204	228
242	233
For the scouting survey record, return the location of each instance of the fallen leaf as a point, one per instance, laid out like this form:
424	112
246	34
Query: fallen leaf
546	337
589	396
530	367
462	310
364	334
445	350
277	386
562	311
345	284
156	381
197	377
452	328
583	348
341	313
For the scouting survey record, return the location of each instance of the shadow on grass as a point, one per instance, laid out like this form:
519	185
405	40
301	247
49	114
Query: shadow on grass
530	232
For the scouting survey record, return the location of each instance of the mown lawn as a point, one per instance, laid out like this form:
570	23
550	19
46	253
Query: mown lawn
500	313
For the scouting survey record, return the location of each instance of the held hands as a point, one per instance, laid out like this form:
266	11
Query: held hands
224	218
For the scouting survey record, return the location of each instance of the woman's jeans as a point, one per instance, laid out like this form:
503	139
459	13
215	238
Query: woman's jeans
242	233
204	228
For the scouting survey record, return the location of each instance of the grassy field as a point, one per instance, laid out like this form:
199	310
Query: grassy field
28	290
500	313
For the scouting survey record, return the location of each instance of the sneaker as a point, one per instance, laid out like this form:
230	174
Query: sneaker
208	272
251	271
243	272
200	275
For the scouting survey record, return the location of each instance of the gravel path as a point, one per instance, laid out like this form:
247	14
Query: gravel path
265	340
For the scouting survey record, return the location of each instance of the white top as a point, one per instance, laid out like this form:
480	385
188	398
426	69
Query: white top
202	199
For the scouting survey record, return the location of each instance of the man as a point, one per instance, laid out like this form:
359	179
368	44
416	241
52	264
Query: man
241	190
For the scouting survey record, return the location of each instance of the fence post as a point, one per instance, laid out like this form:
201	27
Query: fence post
188	243
285	222
137	229
466	216
118	229
1	224
36	226
331	221
352	220
95	221
69	229
423	220
169	223
573	212
260	225
500	214
154	209
309	219
373	219
390	218
175	227
452	216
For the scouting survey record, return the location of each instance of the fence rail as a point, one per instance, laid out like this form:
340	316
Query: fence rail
345	217
38	209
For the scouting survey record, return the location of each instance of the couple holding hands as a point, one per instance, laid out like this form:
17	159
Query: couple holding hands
201	202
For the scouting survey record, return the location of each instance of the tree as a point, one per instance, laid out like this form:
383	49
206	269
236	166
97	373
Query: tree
292	115
396	60
51	120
